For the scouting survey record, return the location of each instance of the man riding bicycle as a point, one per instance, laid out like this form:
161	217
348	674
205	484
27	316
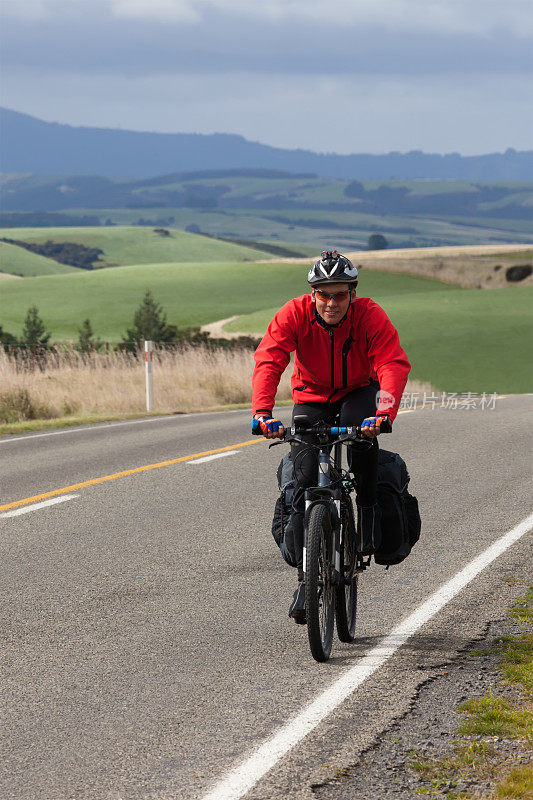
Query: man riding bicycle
349	366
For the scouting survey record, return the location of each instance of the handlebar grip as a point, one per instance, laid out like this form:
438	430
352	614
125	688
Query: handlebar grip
386	426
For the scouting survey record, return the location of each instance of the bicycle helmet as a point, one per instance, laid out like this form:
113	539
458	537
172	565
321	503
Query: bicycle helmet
332	267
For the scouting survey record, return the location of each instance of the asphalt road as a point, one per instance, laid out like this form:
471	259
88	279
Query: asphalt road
147	648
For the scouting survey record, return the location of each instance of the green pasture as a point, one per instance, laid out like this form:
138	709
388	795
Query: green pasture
191	294
522	227
123	245
18	261
346	229
459	340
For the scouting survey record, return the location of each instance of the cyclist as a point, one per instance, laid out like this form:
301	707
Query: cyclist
348	365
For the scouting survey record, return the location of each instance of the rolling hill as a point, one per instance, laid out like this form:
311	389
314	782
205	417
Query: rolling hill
191	294
18	261
457	339
119	245
33	145
294	213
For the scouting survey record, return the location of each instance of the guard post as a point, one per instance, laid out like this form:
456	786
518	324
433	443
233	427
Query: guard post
149	363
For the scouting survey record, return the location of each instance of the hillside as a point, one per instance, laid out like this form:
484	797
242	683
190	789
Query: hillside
269	191
119	246
17	261
457	339
33	145
486	267
192	294
285	214
473	267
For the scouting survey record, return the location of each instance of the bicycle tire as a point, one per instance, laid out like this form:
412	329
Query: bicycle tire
346	595
319	588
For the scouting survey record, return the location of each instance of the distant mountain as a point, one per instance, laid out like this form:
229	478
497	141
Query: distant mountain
30	145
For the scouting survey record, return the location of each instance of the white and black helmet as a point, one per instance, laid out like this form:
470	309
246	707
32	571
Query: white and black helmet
332	267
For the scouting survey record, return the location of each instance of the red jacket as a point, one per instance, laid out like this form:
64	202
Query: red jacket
330	361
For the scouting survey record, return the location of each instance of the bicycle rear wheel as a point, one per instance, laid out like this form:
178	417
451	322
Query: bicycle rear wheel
346	595
319	588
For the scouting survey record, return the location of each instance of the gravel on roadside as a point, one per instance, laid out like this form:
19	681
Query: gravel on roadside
429	729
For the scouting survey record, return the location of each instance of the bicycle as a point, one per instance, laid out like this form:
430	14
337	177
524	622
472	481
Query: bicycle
331	562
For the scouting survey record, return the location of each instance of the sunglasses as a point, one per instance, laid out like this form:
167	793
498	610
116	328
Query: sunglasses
338	297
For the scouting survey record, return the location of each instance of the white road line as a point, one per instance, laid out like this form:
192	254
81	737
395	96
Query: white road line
99	425
244	777
211	458
36	506
94	426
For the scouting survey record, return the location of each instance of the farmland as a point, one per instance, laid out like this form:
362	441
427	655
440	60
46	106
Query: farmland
458	339
192	294
459	336
18	261
119	245
284	209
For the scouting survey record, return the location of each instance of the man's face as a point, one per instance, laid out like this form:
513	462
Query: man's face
332	301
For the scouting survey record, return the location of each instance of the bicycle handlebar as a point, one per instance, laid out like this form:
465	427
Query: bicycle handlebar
322	430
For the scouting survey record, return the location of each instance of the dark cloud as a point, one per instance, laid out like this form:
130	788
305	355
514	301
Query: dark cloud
102	44
231	72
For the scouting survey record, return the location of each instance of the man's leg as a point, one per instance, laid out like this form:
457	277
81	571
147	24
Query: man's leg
363	460
305	461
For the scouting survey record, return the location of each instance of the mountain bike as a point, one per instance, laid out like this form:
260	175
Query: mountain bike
331	561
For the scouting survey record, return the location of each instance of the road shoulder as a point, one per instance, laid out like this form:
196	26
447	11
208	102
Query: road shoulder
461	736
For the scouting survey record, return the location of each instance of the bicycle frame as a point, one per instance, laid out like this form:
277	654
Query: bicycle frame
324	493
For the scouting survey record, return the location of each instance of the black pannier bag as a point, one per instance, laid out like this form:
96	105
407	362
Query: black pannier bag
281	524
400	517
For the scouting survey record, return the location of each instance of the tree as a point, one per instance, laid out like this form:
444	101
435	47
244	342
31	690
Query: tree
34	334
86	341
150	323
377	242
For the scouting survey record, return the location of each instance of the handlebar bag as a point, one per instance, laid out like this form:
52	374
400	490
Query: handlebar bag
282	530
400	516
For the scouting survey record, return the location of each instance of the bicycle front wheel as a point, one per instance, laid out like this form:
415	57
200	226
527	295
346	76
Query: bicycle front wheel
346	595
319	588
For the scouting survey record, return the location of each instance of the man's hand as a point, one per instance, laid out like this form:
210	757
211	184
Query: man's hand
271	428
371	426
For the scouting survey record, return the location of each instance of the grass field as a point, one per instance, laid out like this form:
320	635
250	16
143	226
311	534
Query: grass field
122	245
313	230
18	261
191	294
459	340
306	211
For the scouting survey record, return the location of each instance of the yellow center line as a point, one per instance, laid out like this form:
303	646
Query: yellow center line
124	474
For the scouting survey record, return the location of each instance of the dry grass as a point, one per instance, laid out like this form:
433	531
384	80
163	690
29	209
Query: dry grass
74	384
186	380
471	266
475	267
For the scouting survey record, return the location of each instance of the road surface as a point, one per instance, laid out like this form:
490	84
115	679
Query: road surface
147	650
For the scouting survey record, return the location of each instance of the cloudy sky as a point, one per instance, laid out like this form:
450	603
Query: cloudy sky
328	75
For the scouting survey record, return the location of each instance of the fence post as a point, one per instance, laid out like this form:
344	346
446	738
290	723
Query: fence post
148	358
